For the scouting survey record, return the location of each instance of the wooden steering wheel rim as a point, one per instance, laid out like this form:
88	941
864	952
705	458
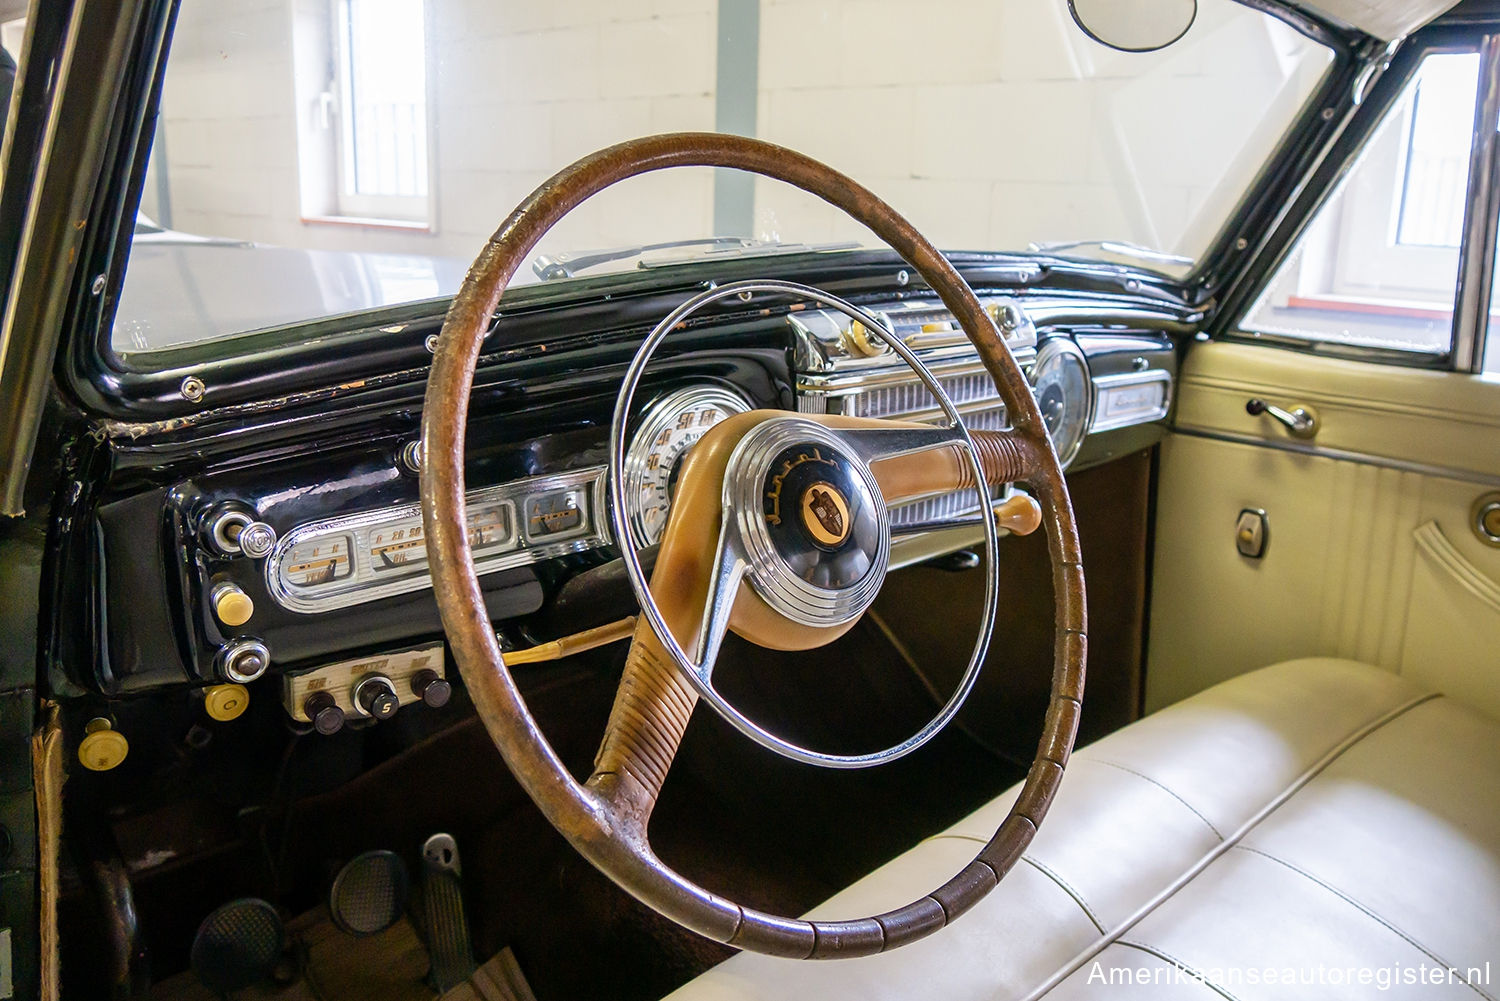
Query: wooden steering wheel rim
602	833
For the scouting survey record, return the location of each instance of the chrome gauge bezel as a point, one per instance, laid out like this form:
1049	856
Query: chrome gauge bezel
656	419
364	582
1066	349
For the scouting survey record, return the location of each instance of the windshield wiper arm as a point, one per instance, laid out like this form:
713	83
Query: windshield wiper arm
568	265
1121	248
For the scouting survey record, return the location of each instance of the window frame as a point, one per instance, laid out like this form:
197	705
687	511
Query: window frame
1477	250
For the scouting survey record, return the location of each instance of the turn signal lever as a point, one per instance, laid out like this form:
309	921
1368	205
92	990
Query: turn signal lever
1302	422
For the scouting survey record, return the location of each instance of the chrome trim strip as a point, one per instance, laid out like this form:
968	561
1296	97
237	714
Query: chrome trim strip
1364	459
365	584
1476	269
1104	383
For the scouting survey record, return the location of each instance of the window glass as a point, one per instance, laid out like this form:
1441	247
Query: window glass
316	158
1378	267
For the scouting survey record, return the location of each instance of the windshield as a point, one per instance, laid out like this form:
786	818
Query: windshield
316	158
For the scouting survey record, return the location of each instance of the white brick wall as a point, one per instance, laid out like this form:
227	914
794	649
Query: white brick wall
989	122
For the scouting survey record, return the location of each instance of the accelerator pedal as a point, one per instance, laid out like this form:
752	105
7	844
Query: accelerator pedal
447	928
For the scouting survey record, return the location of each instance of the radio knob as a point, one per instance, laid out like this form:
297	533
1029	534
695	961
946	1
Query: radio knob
327	718
431	689
376	697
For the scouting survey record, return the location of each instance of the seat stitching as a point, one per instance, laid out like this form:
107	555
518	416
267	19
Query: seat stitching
1368	912
1165	789
1194	972
1338	750
1068	889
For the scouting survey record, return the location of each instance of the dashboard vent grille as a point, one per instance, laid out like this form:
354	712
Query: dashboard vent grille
970	392
912	397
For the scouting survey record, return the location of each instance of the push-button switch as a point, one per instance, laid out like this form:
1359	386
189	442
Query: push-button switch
1251	533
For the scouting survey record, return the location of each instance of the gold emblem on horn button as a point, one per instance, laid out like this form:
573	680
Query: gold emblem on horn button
825	514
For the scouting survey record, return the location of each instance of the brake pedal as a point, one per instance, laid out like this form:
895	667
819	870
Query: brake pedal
369	894
447	929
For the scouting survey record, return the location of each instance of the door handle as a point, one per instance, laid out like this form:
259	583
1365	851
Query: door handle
1301	422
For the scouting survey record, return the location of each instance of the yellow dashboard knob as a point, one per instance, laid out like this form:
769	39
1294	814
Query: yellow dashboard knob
103	748
226	702
232	606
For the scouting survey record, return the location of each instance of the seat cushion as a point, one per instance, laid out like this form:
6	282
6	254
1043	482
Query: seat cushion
1318	815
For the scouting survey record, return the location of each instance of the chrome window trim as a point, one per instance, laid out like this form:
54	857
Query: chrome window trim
363	585
1340	455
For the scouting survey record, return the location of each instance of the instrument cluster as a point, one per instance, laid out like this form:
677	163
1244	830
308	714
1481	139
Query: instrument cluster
361	557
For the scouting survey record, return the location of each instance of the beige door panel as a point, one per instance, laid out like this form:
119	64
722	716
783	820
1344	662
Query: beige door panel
1437	420
1370	555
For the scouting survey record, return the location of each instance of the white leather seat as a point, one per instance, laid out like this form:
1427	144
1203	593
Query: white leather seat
1305	822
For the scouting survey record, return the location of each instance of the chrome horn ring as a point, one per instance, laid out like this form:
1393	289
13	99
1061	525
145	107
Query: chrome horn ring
735	556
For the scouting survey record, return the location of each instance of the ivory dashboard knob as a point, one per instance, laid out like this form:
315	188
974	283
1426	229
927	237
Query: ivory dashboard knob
225	702
1018	514
232	606
103	747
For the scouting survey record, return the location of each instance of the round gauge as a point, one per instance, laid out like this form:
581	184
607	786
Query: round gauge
1060	380
671	426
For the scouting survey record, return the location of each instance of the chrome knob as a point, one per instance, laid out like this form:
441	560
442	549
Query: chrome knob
257	539
241	661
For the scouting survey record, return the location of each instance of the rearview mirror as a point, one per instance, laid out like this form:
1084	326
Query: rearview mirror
1134	25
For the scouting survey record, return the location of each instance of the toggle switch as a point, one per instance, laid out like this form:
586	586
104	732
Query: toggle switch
1251	533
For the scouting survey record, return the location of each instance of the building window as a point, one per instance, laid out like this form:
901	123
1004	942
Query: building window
1436	172
364	132
383	125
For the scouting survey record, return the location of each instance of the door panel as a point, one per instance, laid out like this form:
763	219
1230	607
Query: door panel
1370	551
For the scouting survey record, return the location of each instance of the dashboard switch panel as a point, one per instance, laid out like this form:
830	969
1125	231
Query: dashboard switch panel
386	681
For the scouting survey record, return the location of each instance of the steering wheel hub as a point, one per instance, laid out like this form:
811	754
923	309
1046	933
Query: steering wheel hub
814	527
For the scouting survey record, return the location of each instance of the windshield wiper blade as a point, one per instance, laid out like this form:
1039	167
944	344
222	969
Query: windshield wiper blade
1120	248
550	268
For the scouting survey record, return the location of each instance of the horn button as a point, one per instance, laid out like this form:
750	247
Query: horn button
816	532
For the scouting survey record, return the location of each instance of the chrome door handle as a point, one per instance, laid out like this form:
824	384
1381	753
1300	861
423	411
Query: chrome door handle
1302	422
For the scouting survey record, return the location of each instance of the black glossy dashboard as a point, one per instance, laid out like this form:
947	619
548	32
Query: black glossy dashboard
333	473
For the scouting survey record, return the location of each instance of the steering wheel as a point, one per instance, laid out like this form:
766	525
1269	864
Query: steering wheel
778	530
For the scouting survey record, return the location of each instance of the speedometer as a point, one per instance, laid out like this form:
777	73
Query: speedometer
1061	383
671	426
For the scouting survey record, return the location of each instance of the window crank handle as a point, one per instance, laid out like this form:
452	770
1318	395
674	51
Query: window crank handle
1302	422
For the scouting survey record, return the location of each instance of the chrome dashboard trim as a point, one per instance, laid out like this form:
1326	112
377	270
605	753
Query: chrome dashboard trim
364	584
1125	380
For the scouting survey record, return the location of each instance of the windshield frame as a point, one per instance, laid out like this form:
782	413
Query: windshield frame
294	356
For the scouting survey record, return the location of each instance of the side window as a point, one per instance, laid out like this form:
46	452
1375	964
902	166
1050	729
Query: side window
1378	267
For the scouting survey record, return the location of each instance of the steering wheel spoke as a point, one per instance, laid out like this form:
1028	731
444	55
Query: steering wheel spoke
874	444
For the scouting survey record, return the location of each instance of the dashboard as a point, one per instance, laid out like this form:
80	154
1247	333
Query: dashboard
292	550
